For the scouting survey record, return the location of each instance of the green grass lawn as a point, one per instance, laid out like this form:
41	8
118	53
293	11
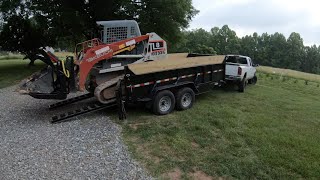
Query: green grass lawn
12	71
269	132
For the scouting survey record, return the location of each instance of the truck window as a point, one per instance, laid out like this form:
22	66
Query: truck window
239	60
243	61
232	59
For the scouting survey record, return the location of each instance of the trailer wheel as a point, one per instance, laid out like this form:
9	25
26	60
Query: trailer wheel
242	85
163	103
185	99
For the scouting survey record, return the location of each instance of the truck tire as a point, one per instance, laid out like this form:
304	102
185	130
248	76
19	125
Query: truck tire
253	80
242	85
185	99
163	103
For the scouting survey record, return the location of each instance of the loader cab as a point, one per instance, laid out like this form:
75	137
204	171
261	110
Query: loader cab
113	31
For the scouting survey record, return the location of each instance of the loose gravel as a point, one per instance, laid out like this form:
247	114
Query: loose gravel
89	147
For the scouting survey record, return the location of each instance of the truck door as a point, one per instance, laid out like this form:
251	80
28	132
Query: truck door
251	69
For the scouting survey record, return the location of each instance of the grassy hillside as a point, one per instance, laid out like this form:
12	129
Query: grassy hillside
270	131
289	73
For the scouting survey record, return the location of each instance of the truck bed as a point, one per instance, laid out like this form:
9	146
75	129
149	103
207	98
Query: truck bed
174	61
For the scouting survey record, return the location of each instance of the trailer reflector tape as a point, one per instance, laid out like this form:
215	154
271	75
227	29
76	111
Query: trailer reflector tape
216	84
220	70
209	72
182	77
215	71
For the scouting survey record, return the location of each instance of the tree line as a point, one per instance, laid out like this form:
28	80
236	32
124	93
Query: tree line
30	24
266	49
26	25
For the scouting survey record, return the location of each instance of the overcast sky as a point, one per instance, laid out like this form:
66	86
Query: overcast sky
248	16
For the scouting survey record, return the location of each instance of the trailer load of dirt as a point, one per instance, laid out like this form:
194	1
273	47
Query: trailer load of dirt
174	61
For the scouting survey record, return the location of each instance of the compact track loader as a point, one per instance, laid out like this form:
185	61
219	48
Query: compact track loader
97	65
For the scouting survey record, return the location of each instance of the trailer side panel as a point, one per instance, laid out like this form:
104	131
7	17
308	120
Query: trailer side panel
200	78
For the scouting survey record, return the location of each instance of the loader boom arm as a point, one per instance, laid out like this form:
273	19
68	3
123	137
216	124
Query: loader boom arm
89	56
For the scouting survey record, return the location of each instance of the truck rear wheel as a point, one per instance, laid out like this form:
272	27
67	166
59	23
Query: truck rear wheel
185	98
163	103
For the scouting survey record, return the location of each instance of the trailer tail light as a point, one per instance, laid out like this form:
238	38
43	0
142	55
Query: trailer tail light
239	71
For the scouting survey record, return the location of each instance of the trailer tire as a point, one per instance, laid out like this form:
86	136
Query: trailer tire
163	103
184	99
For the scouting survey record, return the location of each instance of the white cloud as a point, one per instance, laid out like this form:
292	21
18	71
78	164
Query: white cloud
248	16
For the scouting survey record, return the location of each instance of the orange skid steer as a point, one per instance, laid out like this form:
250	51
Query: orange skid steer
98	64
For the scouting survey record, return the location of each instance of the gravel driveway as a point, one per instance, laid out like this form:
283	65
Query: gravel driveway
32	148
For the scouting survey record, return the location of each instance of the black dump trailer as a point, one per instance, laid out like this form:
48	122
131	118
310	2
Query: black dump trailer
162	85
167	90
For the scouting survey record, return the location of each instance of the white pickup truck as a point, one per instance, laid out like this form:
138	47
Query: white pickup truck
240	70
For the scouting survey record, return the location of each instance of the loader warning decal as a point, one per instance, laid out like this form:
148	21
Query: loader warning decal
102	50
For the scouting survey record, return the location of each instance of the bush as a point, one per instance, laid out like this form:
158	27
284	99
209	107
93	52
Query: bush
4	53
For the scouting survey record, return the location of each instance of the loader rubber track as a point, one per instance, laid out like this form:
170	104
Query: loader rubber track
104	86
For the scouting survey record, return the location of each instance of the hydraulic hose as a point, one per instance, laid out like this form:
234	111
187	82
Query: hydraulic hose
65	71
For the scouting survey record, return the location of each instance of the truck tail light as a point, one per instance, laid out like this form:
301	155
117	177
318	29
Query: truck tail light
239	71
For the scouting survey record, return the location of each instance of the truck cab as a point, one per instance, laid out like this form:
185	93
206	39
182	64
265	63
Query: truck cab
240	70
